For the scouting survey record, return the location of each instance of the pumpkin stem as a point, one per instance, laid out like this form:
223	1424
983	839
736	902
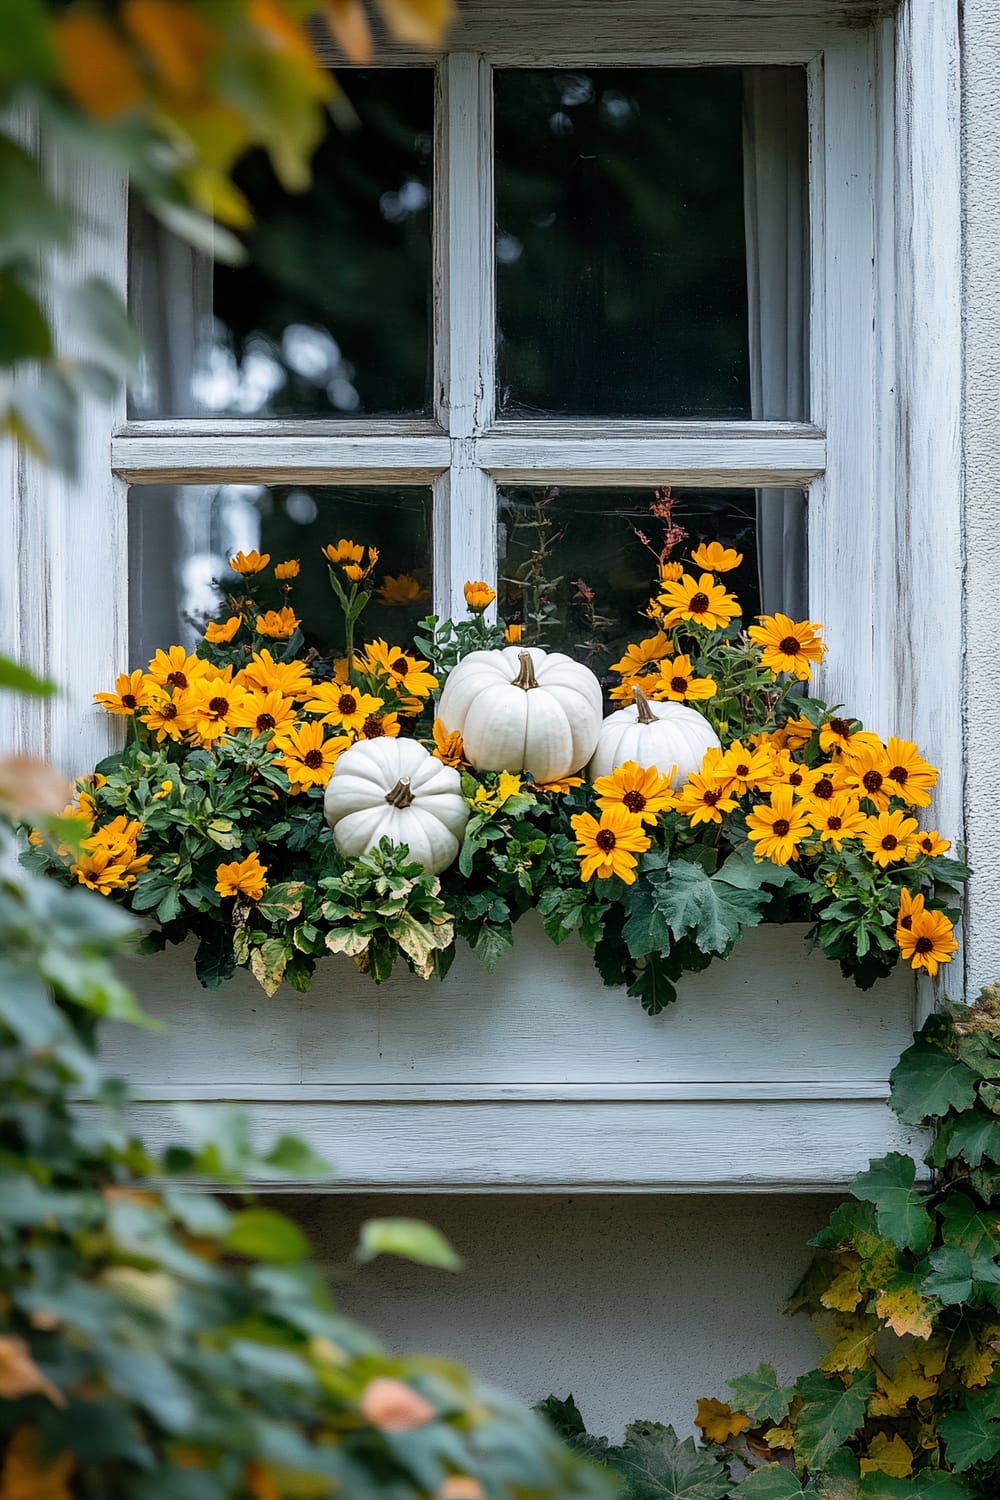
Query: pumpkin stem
644	714
400	796
526	676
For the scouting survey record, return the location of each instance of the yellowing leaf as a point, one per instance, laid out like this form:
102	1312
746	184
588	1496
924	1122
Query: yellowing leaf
905	1310
422	22
908	1382
718	1421
973	1362
779	1437
280	31
25	1477
349	26
851	1342
20	1376
95	67
843	1294
888	1455
176	38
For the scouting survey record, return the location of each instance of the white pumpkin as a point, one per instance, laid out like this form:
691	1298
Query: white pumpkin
669	737
395	789
523	710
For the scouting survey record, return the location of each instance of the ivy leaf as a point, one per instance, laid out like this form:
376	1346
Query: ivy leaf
971	1436
975	1136
569	1424
772	1482
263	1234
930	1484
411	1239
956	1273
903	1307
761	1396
962	1223
654	990
927	1082
283	902
831	1413
900	1211
712	911
493	943
656	1465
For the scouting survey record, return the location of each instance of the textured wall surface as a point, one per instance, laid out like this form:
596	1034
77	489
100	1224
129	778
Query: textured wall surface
638	1305
981	152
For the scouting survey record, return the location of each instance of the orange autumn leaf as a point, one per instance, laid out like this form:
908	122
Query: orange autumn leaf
176	38
20	1376
421	22
95	67
25	1476
349	27
259	1482
718	1421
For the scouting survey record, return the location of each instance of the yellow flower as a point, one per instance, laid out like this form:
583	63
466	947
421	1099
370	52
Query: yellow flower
670	572
217	634
118	840
264	674
508	785
166	787
677	683
307	756
165	716
289	569
907	774
888	838
865	775
716	558
702	602
787	646
99	871
793	734
343	551
564	784
638	656
263	713
243	877
908	907
406	673
356	572
249	563
341	705
380	726
786	771
448	747
174	668
479	596
402	590
704	798
776	829
209	706
279	624
609	847
512	634
836	735
746	769
132	691
830	783
928	942
836	820
642	792
932	844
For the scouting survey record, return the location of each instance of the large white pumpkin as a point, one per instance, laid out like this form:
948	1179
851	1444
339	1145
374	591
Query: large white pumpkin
523	710
668	736
395	789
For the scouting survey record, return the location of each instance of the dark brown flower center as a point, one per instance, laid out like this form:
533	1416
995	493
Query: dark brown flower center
923	945
906	922
698	604
823	788
890	842
605	840
372	727
219	706
781	827
128	700
926	845
178	679
634	801
265	721
313	759
795	778
679	684
840	727
872	781
900	775
790	646
168	711
743	769
347	704
834	823
399	666
710	798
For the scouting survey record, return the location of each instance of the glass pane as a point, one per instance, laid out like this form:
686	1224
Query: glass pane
181	537
626	286
331	317
578	566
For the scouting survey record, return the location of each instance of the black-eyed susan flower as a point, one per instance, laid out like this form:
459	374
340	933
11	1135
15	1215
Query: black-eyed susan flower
928	942
175	668
932	844
701	601
830	783
909	905
401	590
676	683
407	674
746	768
99	871
307	756
787	771
263	674
133	690
343	706
285	570
278	624
642	791
907	774
242	877
777	828
380	726
562	786
249	563
609	846
865	775
704	798
478	596
640	654
794	733
220	632
716	558
788	646
448	746
208	709
263	713
343	551
888	838
165	716
836	820
836	735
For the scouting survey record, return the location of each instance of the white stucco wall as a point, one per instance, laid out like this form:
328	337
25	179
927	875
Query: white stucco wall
637	1305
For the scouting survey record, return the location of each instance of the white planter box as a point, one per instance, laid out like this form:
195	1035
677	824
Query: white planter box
769	1073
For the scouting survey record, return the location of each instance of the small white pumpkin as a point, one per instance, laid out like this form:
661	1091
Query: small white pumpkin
669	737
395	789
523	710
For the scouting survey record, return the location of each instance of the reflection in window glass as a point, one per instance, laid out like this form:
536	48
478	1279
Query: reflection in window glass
577	566
331	316
621	248
181	537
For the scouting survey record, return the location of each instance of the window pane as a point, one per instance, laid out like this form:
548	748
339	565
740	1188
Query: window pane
628	283
578	566
332	316
181	537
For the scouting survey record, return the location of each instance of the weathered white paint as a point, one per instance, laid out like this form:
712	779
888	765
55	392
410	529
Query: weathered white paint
693	460
192	453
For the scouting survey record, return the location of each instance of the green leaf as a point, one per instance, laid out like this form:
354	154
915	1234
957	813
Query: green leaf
656	1465
831	1413
927	1082
262	1234
493	944
24	330
760	1395
900	1211
30	218
772	1482
652	987
929	1484
20	679
411	1239
976	1136
45	417
566	1419
956	1273
971	1436
712	911
25	42
283	902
